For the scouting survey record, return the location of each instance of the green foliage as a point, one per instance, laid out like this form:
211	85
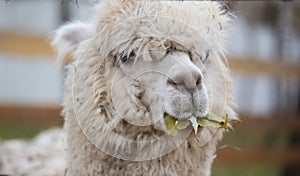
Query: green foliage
20	130
247	170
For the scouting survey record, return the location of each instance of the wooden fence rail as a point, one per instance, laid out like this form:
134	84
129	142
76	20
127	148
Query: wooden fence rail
29	114
14	113
39	46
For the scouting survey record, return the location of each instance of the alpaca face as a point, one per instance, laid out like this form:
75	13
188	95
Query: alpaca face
152	55
158	81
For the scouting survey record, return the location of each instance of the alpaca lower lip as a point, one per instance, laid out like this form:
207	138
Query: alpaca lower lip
185	115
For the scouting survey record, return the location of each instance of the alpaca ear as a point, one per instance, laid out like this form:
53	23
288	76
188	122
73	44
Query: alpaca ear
68	37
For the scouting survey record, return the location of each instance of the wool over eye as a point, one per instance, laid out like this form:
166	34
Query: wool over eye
125	57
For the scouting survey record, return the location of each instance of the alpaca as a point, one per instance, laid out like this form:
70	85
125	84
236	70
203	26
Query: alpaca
137	62
144	59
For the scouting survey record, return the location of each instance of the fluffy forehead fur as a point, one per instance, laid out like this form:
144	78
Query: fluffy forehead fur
188	23
141	26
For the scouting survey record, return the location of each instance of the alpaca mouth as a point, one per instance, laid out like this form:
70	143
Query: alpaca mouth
210	120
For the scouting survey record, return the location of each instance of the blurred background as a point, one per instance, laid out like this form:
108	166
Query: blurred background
264	57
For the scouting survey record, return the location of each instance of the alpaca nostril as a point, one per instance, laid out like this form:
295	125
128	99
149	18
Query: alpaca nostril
197	76
173	83
198	80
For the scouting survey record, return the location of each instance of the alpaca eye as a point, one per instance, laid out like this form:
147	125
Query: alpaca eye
127	57
205	56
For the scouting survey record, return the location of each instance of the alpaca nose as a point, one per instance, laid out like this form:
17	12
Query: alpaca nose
189	80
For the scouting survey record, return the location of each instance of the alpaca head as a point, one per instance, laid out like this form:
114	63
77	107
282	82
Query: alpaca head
156	78
142	59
